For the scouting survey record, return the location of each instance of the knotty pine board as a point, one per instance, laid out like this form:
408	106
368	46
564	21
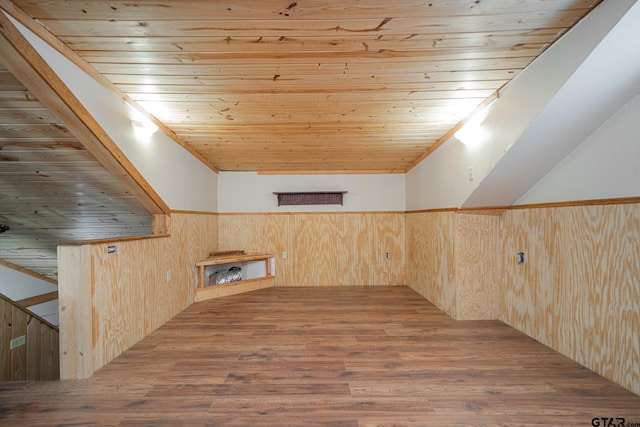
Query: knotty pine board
38	358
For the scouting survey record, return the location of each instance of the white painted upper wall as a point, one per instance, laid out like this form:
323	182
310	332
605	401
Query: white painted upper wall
251	192
455	176
606	165
601	85
180	179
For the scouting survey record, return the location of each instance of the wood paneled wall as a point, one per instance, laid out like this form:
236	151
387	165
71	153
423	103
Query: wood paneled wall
578	290
452	261
109	301
323	249
38	358
431	257
477	265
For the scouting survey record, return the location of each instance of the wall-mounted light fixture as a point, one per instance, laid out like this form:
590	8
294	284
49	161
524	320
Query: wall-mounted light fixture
141	123
472	133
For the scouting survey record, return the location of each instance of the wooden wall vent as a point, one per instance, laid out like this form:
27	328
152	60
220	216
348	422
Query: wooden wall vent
310	198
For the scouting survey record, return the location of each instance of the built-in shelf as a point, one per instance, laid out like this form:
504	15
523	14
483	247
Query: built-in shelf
310	198
265	279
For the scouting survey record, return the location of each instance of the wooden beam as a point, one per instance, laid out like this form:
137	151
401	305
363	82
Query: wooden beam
32	70
28	272
38	299
18	14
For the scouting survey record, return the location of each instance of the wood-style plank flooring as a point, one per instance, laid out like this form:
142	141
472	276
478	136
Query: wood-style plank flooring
326	356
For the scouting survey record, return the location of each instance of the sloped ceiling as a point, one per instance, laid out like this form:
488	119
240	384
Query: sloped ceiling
52	190
308	86
292	87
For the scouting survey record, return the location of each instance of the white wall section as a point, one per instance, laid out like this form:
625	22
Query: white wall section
180	179
251	192
606	165
530	119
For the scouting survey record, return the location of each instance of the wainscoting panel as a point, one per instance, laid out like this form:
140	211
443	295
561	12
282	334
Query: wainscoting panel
431	257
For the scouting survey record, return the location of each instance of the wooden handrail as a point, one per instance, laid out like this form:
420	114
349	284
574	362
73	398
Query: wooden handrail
29	312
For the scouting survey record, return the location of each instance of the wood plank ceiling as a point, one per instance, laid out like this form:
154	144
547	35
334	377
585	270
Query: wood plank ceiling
52	190
309	86
271	86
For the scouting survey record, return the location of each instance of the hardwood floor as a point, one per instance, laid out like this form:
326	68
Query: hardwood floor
326	356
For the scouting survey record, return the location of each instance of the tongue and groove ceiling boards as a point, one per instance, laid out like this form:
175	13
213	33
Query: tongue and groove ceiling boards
309	86
251	85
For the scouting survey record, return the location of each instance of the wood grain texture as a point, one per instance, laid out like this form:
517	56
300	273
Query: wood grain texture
477	255
52	190
342	356
75	291
334	249
266	233
127	293
318	250
529	289
579	292
431	257
37	359
294	70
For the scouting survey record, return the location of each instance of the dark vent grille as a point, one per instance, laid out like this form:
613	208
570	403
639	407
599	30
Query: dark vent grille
311	198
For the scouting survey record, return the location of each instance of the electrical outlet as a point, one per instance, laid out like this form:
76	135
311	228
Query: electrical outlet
284	254
388	255
17	342
169	275
471	175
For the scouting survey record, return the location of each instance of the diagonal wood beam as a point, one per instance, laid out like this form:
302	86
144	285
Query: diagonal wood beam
38	299
28	272
35	74
38	29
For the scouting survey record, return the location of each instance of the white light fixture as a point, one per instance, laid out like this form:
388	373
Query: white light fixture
472	133
142	124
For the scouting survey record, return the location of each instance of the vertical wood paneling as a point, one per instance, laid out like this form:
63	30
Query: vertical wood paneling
19	355
528	288
598	286
155	288
130	291
431	262
30	361
579	291
193	236
75	299
34	346
477	262
390	237
317	250
333	249
6	312
266	233
119	298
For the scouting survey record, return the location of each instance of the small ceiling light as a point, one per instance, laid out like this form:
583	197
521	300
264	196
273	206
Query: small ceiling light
472	133
142	123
